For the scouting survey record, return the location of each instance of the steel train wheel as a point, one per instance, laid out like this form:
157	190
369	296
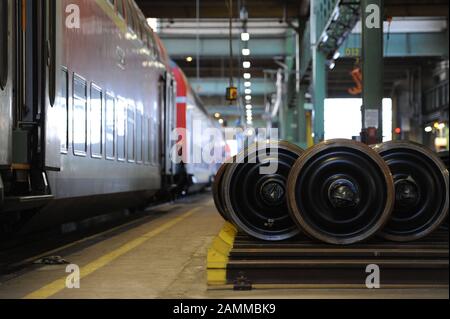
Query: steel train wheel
421	190
217	194
256	203
340	192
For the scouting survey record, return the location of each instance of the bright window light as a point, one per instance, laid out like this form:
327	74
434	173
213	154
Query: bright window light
245	36
249	106
248	84
245	52
248	91
246	64
248	97
247	76
153	23
348	111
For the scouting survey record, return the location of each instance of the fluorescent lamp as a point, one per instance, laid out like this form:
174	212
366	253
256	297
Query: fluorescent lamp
245	36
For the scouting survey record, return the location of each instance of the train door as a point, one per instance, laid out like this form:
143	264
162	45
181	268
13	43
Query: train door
161	124
6	57
170	125
53	44
167	124
34	113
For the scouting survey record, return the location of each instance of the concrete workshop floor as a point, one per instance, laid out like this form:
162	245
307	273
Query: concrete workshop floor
162	258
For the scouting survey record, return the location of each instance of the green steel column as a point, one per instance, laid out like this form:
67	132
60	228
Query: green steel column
372	61
319	73
320	93
301	116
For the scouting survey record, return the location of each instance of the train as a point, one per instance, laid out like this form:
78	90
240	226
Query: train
91	107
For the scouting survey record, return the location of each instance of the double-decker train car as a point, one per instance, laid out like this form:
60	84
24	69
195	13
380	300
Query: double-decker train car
87	109
192	118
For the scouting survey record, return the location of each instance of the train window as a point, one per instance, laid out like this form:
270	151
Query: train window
131	133
79	116
121	120
4	43
130	18
96	117
120	8
64	95
139	136
110	127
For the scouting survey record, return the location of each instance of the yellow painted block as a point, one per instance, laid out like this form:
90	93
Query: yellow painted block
217	277
218	255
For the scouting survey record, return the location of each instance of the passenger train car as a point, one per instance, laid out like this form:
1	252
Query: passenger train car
89	101
193	118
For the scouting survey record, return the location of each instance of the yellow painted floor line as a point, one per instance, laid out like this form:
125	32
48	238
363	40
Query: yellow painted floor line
60	284
97	235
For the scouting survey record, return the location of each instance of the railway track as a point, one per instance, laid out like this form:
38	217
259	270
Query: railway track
304	263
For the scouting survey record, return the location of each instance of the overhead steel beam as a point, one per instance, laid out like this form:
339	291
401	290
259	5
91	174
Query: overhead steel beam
217	86
216	47
336	23
218	8
226	110
175	9
402	45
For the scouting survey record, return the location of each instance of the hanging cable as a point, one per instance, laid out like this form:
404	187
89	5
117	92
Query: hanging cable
198	39
230	7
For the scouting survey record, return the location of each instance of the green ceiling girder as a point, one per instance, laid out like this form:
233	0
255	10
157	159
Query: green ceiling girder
219	46
402	45
227	110
217	86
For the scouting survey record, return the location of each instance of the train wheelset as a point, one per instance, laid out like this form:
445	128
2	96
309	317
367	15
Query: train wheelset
338	192
254	201
341	192
421	190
